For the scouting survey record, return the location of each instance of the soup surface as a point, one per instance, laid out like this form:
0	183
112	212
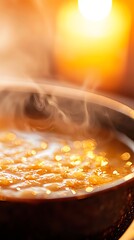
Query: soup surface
51	165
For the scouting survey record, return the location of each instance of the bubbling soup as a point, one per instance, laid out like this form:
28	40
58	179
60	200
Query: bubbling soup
51	165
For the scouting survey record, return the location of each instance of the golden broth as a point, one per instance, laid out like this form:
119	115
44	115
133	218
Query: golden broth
53	165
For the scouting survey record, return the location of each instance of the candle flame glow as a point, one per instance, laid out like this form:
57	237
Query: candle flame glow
95	10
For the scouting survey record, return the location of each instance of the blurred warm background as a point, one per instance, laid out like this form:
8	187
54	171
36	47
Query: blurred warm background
86	43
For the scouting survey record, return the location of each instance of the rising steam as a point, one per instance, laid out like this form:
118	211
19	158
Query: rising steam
48	107
45	111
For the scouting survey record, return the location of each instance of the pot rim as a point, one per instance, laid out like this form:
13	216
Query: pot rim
26	85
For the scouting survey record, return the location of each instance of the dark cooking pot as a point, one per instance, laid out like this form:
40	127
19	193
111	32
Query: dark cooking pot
103	214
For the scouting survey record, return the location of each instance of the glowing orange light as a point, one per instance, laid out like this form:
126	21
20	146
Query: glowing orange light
89	51
95	10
